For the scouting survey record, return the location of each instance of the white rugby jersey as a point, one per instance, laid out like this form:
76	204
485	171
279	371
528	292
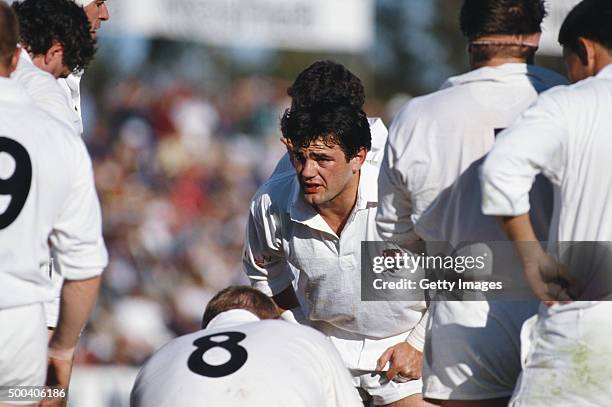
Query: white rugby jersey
286	237
240	361
438	136
46	92
566	136
47	194
379	133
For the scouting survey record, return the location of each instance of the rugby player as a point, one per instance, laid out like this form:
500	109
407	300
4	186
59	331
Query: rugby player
310	223
242	357
42	202
429	189
565	135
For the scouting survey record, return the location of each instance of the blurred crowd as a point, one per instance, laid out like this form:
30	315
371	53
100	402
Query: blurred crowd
175	170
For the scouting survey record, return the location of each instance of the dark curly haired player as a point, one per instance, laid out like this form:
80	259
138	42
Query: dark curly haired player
56	34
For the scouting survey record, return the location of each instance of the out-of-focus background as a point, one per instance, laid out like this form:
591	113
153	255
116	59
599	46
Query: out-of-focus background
181	113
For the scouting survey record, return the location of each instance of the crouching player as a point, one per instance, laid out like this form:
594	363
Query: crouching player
242	357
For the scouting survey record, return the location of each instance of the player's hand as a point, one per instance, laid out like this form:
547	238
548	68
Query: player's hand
403	359
548	279
58	375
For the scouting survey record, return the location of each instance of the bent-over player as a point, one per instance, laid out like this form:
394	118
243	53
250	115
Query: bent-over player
242	357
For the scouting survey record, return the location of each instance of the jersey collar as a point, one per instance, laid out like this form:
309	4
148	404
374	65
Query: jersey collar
514	72
232	318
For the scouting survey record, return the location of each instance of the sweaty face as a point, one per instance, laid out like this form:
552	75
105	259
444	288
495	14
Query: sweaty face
96	13
576	70
323	171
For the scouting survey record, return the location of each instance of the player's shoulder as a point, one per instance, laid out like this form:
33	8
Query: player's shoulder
33	78
29	119
277	191
569	99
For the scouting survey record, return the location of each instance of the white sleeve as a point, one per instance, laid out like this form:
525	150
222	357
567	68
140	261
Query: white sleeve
535	143
76	238
395	202
263	257
416	337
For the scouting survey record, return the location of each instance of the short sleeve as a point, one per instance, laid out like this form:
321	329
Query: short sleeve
263	257
76	237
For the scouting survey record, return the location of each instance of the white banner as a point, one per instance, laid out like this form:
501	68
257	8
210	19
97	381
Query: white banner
557	11
329	25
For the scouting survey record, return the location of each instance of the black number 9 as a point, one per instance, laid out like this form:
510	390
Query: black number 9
238	355
18	184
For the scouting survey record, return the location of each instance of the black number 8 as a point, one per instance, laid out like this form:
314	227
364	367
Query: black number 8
18	185
238	355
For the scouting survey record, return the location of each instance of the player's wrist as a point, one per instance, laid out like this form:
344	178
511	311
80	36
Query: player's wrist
59	353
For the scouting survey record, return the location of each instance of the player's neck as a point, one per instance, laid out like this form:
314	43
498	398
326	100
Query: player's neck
493	62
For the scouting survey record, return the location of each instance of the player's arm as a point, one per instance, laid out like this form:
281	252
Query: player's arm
81	257
536	143
264	259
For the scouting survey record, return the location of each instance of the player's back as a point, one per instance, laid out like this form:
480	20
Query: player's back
456	126
37	171
249	363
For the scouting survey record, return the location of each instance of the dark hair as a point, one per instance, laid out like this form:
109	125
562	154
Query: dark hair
45	21
334	123
591	19
509	17
326	82
240	297
9	34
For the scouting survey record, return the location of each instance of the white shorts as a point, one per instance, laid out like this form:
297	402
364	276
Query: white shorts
360	355
568	358
23	346
472	349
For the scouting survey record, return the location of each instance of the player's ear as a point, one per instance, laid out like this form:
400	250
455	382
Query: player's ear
55	51
287	143
585	51
359	158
